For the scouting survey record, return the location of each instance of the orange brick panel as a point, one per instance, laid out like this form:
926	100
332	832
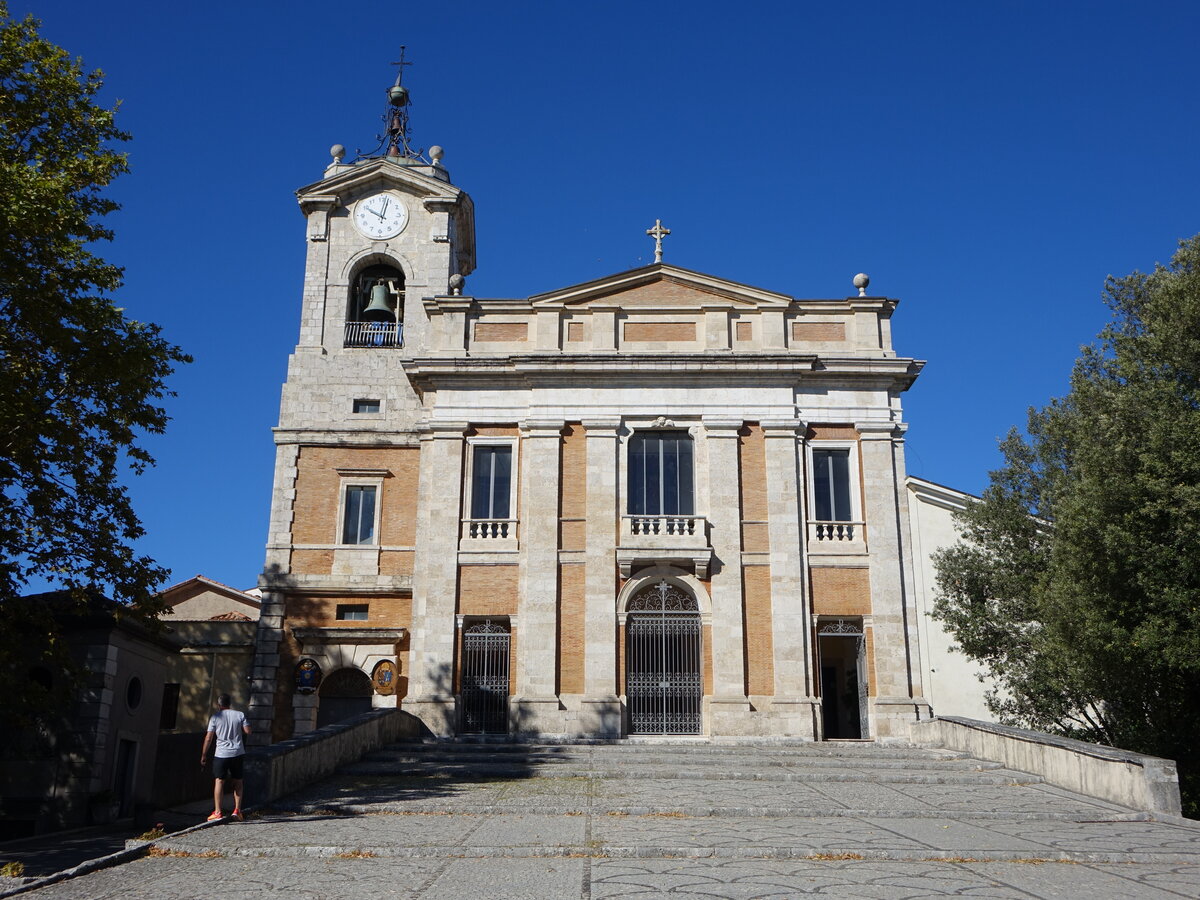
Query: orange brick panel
493	431
760	650
744	331
307	611
575	331
756	537
572	500
660	331
818	331
396	562
318	485
573	535
487	590
501	331
312	562
838	591
571	586
752	463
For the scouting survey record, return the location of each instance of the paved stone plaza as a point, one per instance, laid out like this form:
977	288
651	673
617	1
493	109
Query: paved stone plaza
689	820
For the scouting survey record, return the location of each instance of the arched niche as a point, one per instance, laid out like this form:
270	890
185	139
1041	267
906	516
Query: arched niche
343	694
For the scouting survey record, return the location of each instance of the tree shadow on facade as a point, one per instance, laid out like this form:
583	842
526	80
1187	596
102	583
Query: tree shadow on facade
424	767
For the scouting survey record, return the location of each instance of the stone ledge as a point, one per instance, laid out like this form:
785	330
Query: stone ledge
1121	776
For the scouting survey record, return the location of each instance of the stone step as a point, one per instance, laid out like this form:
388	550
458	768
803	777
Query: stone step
501	770
555	764
800	750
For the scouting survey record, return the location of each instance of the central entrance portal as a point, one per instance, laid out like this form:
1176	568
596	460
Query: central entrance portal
663	683
485	678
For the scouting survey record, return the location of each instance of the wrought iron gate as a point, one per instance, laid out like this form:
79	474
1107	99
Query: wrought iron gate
485	678
663	685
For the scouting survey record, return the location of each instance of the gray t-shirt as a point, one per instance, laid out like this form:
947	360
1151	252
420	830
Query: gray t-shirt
227	725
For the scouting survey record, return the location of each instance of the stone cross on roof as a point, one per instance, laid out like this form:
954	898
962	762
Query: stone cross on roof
658	233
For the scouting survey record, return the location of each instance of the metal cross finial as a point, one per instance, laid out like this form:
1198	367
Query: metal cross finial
658	233
400	65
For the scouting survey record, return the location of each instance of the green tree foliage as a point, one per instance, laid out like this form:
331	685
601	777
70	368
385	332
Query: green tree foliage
1077	581
78	380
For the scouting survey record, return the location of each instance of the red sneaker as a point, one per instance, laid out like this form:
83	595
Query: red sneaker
237	814
216	815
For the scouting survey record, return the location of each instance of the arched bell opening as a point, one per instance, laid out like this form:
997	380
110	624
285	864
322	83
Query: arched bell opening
343	694
375	312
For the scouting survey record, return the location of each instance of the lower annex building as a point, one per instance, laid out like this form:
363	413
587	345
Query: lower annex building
659	502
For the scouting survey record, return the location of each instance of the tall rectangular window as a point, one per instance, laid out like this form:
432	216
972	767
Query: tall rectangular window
660	474
491	482
358	522
831	485
169	714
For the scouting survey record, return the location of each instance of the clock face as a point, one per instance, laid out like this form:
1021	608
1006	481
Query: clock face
381	215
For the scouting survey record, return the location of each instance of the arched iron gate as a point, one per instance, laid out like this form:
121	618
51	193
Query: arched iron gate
485	678
663	684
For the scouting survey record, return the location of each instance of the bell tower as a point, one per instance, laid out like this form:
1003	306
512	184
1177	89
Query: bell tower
386	232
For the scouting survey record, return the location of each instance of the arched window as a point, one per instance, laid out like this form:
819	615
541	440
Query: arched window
375	312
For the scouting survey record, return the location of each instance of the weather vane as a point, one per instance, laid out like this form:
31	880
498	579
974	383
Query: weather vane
658	233
394	140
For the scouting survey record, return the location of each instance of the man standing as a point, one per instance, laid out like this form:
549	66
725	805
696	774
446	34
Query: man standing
226	728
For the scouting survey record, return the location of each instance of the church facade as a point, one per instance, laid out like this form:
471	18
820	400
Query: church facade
656	503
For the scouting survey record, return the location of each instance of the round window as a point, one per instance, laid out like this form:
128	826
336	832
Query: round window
133	693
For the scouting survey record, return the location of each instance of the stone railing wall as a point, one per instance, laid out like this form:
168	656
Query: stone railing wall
287	766
1120	776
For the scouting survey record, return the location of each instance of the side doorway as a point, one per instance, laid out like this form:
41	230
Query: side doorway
845	709
483	693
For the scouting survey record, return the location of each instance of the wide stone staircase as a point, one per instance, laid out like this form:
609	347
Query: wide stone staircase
688	818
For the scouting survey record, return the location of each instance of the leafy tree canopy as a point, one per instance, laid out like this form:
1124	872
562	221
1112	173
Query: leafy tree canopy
1077	579
79	382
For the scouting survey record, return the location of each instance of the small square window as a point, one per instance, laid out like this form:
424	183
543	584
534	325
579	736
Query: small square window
352	612
366	406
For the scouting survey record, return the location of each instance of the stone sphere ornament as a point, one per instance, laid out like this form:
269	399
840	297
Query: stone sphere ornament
338	152
436	153
861	280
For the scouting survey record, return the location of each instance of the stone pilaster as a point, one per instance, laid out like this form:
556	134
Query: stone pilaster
601	713
435	583
535	706
729	705
898	699
794	705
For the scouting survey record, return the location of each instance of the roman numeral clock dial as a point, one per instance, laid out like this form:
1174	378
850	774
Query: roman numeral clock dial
380	216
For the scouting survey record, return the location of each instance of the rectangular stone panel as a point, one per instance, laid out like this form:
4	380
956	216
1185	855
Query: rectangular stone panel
744	331
575	331
659	332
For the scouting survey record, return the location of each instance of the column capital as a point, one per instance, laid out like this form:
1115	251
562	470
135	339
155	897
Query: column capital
782	428
542	428
441	430
601	426
881	431
722	427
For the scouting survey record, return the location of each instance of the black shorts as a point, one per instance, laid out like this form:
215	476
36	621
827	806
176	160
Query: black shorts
228	767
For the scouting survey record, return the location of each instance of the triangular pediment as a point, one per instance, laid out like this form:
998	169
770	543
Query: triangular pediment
378	174
660	286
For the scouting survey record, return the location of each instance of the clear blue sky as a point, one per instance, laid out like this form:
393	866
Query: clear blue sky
987	163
